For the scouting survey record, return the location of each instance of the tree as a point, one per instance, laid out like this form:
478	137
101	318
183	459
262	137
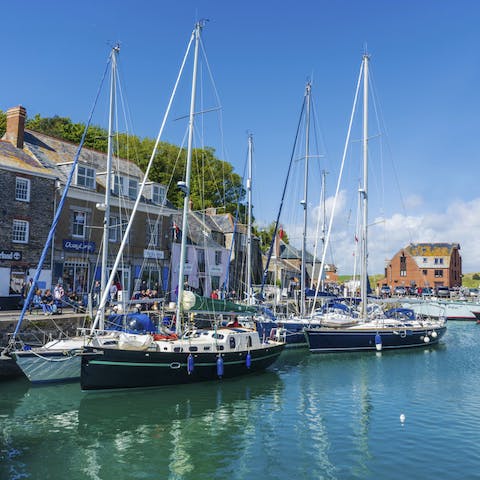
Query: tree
266	235
213	181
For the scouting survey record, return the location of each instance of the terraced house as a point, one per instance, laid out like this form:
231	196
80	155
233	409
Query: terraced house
425	265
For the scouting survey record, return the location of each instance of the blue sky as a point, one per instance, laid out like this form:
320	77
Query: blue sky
426	72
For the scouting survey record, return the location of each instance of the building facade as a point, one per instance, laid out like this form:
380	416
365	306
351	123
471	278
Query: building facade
425	265
35	168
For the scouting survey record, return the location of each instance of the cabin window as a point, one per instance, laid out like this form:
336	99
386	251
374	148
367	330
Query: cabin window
85	177
193	349
218	336
20	231
177	349
249	341
206	348
221	347
22	189
232	342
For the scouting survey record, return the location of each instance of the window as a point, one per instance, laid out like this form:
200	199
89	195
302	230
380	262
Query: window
201	260
20	231
218	257
438	273
215	282
78	224
424	259
113	232
125	186
158	194
403	266
22	189
85	177
232	342
152	233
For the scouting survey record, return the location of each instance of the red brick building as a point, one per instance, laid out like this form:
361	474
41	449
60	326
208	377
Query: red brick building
425	265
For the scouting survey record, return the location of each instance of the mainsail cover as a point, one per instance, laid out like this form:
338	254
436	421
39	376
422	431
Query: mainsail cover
192	302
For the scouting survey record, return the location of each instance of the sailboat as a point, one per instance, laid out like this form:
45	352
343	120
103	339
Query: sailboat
370	328
58	359
291	328
191	354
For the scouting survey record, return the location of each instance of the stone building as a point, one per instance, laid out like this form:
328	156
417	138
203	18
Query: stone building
37	167
425	265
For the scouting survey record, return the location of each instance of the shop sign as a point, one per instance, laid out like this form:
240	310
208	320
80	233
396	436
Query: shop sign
10	255
78	246
155	254
215	270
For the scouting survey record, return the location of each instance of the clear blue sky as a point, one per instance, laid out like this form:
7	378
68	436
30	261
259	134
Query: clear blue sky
425	60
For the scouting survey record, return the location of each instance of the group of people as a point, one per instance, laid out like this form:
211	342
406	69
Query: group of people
46	301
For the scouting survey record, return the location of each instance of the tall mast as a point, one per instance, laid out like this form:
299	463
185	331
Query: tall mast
186	186
108	181
364	190
304	202
249	222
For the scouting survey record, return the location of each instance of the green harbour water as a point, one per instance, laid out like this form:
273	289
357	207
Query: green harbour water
334	416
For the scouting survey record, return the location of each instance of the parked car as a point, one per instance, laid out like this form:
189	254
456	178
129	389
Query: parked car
443	292
385	291
400	291
427	292
474	292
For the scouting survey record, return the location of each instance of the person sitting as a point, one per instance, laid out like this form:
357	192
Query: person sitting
48	303
36	303
233	323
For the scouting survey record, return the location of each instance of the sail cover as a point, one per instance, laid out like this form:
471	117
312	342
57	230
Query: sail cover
192	302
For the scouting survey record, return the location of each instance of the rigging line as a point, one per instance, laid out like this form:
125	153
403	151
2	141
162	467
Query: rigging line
395	172
147	171
265	272
345	149
59	207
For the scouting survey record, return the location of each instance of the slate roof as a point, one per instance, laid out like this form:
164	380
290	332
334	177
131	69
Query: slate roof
16	159
431	249
199	232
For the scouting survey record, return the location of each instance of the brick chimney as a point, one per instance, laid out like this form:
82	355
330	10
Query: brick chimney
16	125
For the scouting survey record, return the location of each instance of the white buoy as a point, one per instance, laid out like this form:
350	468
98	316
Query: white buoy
402	418
426	339
434	334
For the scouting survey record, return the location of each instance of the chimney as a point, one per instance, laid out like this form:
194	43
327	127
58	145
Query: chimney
16	125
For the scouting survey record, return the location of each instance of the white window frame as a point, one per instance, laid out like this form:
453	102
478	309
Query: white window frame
125	186
88	177
75	217
159	194
153	233
113	231
25	189
20	226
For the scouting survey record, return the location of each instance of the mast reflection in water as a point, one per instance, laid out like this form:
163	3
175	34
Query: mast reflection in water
332	416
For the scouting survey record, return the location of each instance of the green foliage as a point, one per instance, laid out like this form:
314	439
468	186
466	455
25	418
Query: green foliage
3	123
471	280
266	235
213	181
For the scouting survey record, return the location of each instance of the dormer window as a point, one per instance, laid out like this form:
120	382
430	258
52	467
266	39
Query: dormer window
158	194
85	177
125	186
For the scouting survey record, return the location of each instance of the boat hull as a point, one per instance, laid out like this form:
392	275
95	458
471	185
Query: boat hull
49	366
107	368
322	340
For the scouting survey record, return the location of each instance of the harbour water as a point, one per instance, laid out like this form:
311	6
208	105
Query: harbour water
334	416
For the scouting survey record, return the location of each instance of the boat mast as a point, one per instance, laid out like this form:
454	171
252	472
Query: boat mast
186	185
363	191
304	201
250	299
108	183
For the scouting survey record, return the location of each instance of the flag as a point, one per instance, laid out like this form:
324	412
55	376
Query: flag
281	233
356	239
